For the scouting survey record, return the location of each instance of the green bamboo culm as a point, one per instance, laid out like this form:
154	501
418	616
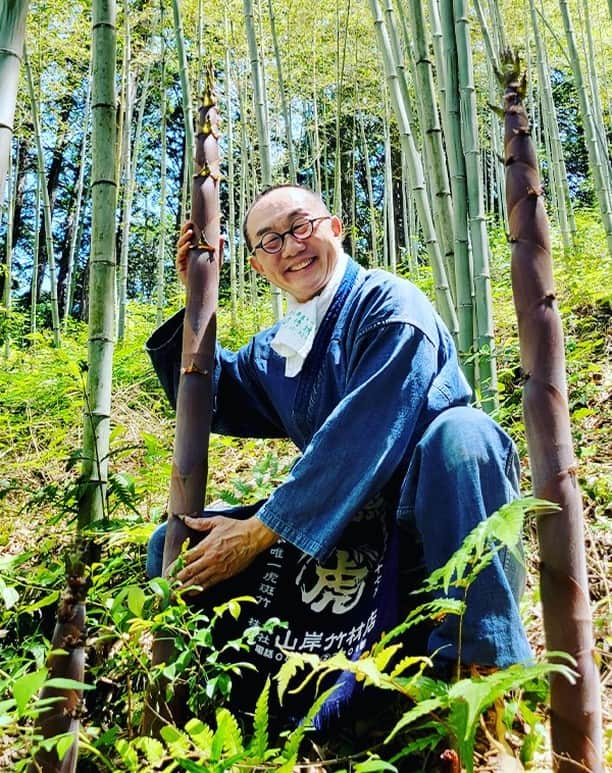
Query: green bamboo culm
448	65
261	118
431	131
55	319
96	425
484	339
231	219
596	162
8	277
13	15
283	95
77	225
551	127
185	89
161	251
444	301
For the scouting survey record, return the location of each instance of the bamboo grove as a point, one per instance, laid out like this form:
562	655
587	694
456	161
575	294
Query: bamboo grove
303	101
383	107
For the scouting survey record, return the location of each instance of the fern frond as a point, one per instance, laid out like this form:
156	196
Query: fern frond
382	657
470	697
259	742
292	744
501	529
201	734
295	661
416	712
228	736
407	662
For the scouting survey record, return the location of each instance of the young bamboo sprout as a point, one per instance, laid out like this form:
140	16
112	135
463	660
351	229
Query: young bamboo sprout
195	392
575	708
66	661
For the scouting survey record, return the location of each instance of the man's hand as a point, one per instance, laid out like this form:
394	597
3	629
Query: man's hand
230	547
183	246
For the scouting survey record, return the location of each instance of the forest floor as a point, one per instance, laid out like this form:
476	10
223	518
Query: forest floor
40	433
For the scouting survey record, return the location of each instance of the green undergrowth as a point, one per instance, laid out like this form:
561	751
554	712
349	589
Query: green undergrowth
124	614
41	404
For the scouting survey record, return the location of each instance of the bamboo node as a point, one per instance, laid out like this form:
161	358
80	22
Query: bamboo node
531	191
206	247
193	368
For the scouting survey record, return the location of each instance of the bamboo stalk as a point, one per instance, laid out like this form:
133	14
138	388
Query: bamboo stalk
598	119
185	90
231	220
283	95
161	251
433	140
76	231
558	173
262	124
8	277
485	337
416	176
371	208
13	15
129	87
595	159
102	266
456	162
34	283
575	708
46	205
130	184
67	661
195	391
391	261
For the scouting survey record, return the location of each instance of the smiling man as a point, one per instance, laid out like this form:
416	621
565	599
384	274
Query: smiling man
363	376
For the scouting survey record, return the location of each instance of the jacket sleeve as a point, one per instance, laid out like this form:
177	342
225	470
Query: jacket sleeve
241	407
362	442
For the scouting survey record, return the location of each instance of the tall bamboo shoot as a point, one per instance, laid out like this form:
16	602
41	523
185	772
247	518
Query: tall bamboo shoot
195	391
575	708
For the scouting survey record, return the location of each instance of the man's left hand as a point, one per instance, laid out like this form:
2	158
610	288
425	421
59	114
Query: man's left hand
230	547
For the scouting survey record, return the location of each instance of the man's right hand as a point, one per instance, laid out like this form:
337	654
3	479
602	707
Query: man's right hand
183	246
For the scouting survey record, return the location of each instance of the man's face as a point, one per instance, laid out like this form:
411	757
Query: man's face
302	268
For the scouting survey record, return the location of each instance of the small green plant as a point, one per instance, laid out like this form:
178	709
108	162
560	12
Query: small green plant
440	710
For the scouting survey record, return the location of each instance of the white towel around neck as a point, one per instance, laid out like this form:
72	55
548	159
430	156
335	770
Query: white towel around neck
296	333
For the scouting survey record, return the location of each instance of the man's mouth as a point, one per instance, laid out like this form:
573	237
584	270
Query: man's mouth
302	264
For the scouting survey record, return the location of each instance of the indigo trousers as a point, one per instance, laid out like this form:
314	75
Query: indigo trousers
464	468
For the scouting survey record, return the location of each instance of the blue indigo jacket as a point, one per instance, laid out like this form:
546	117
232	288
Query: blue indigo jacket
382	367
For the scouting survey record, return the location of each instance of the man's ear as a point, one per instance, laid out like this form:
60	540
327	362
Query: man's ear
256	265
336	225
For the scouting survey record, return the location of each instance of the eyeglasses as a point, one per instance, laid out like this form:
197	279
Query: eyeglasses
301	230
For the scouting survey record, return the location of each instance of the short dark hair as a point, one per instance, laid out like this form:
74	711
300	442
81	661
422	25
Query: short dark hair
265	192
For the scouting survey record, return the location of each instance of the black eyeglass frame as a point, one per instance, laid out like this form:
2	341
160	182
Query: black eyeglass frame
290	230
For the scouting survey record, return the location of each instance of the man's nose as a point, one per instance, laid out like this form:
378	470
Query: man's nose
292	246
